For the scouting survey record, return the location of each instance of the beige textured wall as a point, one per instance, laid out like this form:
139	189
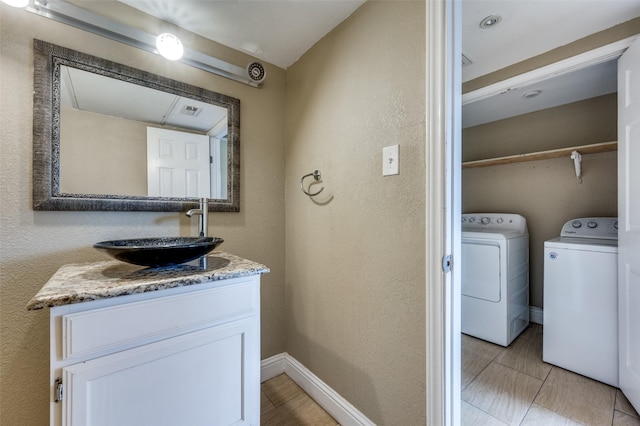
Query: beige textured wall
586	122
545	192
33	245
94	145
355	294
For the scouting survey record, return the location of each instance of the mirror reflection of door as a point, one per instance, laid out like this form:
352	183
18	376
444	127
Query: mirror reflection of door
177	164
103	129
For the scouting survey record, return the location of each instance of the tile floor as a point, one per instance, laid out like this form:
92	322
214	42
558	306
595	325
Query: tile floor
513	386
500	386
284	403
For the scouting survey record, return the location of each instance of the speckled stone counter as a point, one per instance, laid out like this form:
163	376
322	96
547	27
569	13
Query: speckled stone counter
84	282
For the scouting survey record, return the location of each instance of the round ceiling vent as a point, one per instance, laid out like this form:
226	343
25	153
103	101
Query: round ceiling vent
256	72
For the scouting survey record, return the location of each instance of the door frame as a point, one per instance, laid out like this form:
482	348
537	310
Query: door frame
583	60
443	210
444	101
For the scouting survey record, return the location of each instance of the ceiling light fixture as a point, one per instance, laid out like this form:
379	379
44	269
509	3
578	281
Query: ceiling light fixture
490	21
169	46
531	94
16	3
70	14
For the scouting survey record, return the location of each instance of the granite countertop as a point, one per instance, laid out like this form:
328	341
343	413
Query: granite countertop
84	282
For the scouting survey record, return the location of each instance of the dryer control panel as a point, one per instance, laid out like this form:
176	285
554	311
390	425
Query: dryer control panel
591	227
488	222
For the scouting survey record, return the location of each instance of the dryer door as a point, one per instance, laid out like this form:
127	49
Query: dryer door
481	270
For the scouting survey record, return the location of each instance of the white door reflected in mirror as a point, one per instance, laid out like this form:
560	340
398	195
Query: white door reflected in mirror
177	164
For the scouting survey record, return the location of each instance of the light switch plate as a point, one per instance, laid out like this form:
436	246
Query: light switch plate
391	160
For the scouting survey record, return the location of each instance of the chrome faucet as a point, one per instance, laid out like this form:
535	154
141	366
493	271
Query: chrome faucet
202	212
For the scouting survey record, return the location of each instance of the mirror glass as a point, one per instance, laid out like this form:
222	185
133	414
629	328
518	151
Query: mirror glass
117	138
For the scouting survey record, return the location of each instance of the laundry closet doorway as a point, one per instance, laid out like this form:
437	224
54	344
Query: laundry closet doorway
606	56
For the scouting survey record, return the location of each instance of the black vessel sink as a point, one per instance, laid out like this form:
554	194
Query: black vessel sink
163	251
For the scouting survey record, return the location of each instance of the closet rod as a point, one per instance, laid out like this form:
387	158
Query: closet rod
543	155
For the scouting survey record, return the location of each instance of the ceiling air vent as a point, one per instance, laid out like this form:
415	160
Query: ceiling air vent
190	110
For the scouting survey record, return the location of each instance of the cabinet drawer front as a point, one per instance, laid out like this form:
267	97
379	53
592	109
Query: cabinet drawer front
106	330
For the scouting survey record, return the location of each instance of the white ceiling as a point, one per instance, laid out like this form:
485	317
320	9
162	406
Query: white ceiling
529	28
595	80
275	31
90	92
532	27
281	31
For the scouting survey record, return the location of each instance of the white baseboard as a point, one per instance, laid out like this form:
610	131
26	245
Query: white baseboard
339	408
272	367
535	315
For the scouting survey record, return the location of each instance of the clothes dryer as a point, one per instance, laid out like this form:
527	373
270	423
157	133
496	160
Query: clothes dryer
495	276
580	330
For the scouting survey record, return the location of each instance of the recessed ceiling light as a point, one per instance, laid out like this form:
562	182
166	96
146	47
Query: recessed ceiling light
490	21
531	94
169	46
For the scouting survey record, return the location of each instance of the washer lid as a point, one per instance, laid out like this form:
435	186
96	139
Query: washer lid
584	244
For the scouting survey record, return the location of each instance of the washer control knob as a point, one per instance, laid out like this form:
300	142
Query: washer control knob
576	224
464	219
592	225
485	221
615	225
472	220
500	220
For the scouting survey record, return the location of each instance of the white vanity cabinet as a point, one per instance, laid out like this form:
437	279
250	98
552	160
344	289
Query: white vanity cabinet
184	356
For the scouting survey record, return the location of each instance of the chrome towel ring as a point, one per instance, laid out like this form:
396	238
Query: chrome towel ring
316	176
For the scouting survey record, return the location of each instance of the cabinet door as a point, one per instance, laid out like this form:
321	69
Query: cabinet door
209	377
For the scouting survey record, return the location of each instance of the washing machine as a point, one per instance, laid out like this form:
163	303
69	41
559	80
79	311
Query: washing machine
580	326
495	276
